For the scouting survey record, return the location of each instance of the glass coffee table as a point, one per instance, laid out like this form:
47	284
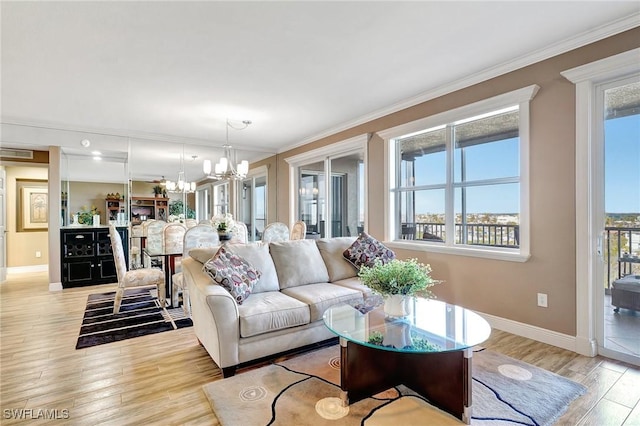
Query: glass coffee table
428	351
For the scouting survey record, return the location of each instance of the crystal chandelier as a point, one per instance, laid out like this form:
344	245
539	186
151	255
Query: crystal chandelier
228	167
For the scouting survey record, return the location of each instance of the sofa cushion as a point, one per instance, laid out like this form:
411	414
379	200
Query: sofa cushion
271	311
331	250
258	255
202	254
354	283
298	262
365	250
321	296
232	272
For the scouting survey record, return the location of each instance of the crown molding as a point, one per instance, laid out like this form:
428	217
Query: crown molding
555	49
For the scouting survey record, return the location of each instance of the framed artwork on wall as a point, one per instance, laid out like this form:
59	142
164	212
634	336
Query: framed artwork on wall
33	206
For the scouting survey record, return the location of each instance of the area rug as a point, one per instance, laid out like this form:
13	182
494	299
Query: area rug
140	314
303	391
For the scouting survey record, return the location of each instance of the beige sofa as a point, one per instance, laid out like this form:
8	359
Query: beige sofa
299	280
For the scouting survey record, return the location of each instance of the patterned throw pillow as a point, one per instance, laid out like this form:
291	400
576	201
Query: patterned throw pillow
233	273
366	250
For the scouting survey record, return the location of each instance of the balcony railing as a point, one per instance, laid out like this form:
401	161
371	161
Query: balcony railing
483	234
621	252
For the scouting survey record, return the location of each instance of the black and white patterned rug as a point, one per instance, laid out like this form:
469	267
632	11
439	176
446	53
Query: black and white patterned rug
140	314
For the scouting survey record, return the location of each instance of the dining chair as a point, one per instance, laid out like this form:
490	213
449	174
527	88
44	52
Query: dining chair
199	236
274	232
298	230
190	223
239	233
142	277
154	241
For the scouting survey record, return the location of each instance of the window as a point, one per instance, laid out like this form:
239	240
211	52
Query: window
221	198
458	181
331	207
252	203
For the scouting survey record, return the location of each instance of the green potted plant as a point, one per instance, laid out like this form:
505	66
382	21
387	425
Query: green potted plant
157	190
398	281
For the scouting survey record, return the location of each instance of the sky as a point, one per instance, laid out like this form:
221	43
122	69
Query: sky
622	165
500	159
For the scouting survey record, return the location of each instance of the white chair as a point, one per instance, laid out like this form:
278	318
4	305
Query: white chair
198	236
274	232
239	233
134	278
298	231
154	241
190	223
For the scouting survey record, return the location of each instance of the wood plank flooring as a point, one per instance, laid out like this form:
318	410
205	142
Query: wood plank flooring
158	379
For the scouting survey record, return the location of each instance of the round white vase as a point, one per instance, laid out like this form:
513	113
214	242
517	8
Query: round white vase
398	305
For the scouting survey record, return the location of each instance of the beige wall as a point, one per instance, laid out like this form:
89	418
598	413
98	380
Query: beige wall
84	195
504	289
22	246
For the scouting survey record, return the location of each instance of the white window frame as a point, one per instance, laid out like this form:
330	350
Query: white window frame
357	144
521	98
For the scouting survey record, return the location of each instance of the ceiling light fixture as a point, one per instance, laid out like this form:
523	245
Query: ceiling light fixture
181	186
228	167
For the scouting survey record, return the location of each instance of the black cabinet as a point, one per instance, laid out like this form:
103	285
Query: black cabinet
86	256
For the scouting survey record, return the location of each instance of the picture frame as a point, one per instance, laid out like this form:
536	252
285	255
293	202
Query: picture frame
33	206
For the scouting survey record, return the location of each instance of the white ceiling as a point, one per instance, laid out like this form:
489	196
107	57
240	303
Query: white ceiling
159	72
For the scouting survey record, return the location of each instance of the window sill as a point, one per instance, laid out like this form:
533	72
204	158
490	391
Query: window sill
508	255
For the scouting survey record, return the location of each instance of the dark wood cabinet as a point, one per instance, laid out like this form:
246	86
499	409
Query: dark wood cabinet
86	255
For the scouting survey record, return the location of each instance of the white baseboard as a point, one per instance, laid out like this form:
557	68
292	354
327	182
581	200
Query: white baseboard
55	286
27	269
543	335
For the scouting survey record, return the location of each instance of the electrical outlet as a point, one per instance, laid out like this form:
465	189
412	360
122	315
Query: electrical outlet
38	254
542	300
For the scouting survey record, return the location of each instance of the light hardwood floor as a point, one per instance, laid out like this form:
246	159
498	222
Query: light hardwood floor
158	379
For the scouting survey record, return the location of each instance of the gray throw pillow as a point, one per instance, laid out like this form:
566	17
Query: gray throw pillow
298	262
331	250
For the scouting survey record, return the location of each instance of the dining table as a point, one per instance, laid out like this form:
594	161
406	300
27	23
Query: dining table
169	267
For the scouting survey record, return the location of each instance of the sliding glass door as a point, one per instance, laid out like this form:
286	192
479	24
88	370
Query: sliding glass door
252	205
332	207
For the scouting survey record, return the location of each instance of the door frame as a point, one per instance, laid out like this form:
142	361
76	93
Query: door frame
590	195
3	224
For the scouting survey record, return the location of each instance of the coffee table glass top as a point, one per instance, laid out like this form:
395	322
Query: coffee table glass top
434	326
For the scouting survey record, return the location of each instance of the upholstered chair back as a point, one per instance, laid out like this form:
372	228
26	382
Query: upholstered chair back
154	236
298	230
199	236
118	252
145	226
240	233
190	223
173	237
275	232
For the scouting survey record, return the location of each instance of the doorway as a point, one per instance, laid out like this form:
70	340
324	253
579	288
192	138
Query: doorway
618	109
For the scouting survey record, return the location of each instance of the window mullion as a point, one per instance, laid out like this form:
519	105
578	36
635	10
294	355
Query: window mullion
449	194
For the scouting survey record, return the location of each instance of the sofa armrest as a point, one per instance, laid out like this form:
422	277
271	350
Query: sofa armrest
215	315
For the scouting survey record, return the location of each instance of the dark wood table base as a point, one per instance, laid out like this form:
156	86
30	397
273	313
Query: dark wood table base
443	378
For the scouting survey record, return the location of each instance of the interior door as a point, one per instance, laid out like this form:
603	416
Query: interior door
3	231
